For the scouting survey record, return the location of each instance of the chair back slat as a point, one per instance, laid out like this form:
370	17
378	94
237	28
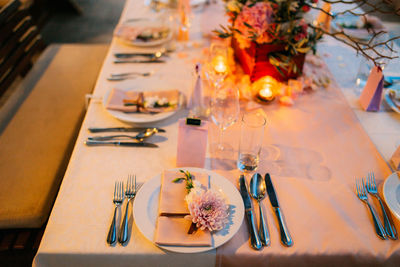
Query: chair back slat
19	40
21	66
7	10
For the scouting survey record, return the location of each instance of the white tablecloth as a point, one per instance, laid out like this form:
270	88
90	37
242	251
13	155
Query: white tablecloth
78	225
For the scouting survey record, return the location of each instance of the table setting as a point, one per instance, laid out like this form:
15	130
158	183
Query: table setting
226	152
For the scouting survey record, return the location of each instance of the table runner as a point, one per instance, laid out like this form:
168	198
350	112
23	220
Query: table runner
314	151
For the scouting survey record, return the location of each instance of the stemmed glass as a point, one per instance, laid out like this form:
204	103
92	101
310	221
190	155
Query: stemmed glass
217	64
224	111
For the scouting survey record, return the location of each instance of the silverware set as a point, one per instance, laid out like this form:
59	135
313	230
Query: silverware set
118	199
258	189
142	57
123	139
368	186
128	75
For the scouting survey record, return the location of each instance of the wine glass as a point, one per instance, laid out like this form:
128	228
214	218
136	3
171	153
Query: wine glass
224	111
217	64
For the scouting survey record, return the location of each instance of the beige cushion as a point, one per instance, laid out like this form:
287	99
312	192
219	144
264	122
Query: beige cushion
36	143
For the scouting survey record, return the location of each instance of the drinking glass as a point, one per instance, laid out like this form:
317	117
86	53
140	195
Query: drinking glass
251	139
217	64
224	110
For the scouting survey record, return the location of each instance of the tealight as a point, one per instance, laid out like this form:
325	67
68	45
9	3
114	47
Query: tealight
266	88
219	63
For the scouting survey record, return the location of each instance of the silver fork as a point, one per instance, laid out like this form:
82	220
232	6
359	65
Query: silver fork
118	199
362	195
372	189
130	193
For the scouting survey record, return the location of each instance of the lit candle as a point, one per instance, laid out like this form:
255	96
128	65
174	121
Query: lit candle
266	93
219	63
266	88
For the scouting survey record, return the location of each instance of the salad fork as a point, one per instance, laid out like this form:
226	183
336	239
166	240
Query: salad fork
372	189
117	200
130	193
362	195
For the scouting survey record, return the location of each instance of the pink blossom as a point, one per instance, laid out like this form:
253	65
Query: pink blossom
259	17
207	210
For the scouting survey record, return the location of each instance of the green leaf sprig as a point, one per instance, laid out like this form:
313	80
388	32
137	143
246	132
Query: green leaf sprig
188	178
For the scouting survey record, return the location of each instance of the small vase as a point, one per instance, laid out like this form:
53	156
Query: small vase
255	62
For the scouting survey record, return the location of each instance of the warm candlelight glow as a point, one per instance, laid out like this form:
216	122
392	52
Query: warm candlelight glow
266	88
220	64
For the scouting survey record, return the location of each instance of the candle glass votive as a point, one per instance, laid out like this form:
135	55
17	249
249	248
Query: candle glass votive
251	139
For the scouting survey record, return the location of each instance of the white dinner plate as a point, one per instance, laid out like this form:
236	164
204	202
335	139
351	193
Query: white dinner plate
389	100
145	210
391	193
147	22
141	117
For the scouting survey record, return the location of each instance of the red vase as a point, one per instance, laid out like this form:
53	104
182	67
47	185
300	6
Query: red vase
254	61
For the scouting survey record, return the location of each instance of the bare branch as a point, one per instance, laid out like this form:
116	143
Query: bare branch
371	50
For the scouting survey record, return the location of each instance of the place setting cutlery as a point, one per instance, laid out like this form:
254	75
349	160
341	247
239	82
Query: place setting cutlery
258	189
286	238
128	75
369	186
115	140
122	129
118	199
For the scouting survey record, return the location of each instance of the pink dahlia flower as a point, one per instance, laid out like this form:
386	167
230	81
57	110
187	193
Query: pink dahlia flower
207	210
259	17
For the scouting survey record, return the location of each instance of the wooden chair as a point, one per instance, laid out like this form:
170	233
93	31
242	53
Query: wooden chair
19	42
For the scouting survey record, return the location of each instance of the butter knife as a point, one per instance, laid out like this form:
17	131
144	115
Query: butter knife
117	143
254	238
139	61
130	55
285	235
122	129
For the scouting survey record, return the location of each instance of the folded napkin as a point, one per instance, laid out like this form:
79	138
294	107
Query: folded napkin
173	231
145	102
141	33
172	195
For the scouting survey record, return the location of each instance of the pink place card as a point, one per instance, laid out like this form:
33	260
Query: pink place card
192	144
371	96
395	159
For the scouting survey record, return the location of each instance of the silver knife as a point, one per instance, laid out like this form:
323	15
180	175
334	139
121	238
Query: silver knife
122	129
117	143
285	235
139	61
130	55
254	238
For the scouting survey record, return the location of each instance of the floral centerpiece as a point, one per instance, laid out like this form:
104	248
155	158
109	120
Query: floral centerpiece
270	37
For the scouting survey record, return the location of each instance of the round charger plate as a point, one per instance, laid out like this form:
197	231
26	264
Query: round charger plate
391	193
145	210
141	117
146	22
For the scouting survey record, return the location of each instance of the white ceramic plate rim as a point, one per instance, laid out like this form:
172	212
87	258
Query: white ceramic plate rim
146	201
145	44
140	117
389	193
390	102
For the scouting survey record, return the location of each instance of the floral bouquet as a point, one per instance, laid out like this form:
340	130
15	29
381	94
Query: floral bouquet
279	23
207	207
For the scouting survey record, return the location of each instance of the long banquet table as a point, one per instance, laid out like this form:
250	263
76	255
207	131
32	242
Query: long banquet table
313	150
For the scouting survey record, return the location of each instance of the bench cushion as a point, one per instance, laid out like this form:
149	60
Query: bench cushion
36	141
